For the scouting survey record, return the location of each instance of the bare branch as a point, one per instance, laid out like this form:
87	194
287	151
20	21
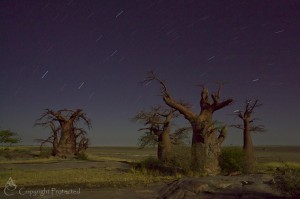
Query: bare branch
167	97
148	140
223	134
42	141
180	135
238	126
79	132
258	129
152	77
222	104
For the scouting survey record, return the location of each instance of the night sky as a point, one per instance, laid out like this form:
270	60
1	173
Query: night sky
92	55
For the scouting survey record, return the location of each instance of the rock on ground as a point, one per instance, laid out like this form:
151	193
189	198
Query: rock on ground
227	187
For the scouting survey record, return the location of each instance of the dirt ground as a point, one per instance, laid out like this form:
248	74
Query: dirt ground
149	192
177	190
186	188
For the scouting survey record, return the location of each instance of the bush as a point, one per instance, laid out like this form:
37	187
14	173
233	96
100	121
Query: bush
179	162
232	159
15	153
82	156
287	180
5	153
45	153
150	163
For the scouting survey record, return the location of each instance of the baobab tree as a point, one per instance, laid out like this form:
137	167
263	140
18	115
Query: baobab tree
247	128
66	138
206	141
157	130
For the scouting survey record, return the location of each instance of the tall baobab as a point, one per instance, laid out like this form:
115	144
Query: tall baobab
206	142
66	138
157	130
247	128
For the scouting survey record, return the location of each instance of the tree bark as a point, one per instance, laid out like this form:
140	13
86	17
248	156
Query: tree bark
55	144
206	145
164	146
67	143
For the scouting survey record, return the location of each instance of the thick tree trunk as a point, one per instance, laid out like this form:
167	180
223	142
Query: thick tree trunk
248	146
164	146
67	143
205	145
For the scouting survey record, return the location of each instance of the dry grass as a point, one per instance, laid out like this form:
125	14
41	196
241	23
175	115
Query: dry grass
83	177
109	175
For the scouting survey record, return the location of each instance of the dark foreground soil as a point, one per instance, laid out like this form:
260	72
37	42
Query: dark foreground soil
244	186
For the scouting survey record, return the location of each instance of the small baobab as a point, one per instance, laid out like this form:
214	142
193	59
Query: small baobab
248	126
157	130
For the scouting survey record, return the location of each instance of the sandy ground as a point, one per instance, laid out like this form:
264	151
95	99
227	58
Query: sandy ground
264	154
149	192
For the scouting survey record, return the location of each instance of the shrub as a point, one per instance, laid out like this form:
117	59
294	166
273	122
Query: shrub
287	180
179	162
5	153
150	163
232	159
45	153
82	156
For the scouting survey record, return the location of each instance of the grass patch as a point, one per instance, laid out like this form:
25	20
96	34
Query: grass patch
287	180
31	161
92	157
270	167
232	159
177	164
83	177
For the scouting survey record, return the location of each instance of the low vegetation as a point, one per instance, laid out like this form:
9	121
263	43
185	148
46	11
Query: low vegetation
178	163
287	180
232	159
103	168
82	177
15	153
8	138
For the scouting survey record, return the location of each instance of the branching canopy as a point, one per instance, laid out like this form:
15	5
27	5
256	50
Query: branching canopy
246	114
56	120
155	122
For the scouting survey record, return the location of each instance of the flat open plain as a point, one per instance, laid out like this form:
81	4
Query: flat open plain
97	176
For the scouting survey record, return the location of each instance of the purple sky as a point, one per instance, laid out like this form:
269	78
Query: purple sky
93	54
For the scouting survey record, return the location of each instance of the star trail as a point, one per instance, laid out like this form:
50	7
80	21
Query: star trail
94	54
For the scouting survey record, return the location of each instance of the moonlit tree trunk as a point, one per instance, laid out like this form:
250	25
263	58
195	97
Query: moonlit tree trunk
67	142
55	140
206	144
164	147
248	146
